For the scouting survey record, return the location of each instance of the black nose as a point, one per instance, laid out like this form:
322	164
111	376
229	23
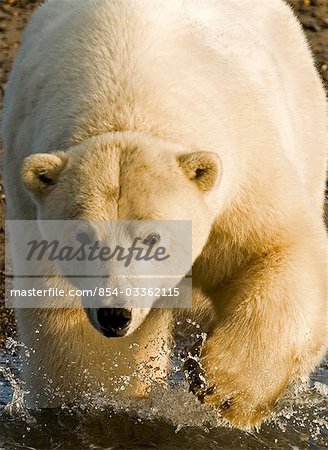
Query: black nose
113	321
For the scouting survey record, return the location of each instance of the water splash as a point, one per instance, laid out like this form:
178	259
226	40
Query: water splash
9	375
170	417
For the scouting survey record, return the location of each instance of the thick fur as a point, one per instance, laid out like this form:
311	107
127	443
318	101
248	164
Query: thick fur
124	86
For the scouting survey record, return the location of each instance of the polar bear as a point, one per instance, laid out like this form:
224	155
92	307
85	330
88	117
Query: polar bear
205	111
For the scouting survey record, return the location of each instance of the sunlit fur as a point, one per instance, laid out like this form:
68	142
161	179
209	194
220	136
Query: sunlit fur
125	87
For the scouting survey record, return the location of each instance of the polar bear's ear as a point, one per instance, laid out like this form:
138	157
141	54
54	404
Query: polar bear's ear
42	170
203	168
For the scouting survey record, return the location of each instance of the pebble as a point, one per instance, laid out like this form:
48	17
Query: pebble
312	27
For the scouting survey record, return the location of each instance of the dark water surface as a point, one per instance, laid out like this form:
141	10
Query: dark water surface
170	419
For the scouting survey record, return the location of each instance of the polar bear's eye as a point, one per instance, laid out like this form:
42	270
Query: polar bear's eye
83	237
152	238
199	172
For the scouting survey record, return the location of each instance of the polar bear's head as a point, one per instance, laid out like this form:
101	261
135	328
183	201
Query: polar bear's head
125	177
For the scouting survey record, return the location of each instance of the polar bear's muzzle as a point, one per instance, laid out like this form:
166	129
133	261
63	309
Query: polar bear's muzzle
111	322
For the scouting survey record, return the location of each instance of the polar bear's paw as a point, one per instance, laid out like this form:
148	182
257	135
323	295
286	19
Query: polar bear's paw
241	409
240	405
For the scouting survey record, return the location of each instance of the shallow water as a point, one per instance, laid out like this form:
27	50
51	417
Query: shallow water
170	419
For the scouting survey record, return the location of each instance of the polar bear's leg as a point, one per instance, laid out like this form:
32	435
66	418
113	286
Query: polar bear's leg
153	351
65	358
271	329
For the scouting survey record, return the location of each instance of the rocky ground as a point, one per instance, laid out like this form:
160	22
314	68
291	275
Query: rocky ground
13	16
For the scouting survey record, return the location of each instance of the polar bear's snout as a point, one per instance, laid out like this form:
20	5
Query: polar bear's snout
111	322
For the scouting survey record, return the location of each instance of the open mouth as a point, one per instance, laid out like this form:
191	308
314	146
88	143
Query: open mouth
111	332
